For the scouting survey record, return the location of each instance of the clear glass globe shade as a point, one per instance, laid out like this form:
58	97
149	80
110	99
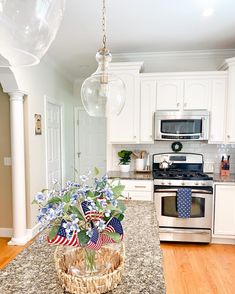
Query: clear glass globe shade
102	99
27	29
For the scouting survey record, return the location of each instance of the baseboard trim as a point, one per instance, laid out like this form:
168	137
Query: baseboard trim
34	231
6	232
216	240
31	233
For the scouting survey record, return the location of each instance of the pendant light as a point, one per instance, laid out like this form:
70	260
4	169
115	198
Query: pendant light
27	29
103	93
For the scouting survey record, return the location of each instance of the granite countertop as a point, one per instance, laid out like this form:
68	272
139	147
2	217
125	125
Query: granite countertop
33	271
224	179
130	175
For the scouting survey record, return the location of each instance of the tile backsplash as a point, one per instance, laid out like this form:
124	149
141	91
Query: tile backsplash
212	153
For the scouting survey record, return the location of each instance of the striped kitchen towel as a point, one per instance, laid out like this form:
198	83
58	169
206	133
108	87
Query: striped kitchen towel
184	202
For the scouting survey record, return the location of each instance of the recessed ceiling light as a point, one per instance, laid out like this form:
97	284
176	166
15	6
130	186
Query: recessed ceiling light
208	12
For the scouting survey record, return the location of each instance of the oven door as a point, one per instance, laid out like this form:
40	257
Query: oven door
201	210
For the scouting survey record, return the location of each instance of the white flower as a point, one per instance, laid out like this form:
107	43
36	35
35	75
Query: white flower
40	197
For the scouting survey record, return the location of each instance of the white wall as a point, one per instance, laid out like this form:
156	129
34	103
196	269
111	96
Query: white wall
40	81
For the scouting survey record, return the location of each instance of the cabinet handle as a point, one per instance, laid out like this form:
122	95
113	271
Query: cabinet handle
140	187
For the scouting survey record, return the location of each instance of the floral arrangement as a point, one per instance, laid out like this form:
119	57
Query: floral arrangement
83	215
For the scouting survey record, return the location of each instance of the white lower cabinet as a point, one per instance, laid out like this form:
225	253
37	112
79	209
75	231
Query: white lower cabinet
138	189
224	214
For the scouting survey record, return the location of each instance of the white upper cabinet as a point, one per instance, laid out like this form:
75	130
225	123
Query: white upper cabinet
147	108
218	111
224	217
124	128
230	133
196	94
169	94
188	93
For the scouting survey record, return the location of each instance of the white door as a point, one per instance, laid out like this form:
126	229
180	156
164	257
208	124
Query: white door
90	144
169	94
224	223
53	122
197	94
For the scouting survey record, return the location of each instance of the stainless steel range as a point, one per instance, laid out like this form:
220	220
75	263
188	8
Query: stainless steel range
172	171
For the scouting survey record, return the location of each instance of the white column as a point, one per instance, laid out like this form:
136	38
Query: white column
18	169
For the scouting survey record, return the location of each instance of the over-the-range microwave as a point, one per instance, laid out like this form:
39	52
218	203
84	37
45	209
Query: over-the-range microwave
185	125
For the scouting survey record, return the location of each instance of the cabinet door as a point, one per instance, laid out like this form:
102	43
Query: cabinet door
144	196
224	218
147	108
124	128
217	112
169	94
230	134
197	94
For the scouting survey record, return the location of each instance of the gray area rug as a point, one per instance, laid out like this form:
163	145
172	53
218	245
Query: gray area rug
33	270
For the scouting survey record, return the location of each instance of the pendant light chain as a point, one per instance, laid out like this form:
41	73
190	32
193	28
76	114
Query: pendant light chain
104	24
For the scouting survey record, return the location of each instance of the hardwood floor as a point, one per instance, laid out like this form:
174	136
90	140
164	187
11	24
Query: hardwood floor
7	253
199	269
188	268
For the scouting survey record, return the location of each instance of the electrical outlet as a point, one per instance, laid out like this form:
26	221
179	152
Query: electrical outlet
7	161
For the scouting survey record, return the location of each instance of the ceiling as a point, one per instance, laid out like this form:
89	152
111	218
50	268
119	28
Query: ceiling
140	26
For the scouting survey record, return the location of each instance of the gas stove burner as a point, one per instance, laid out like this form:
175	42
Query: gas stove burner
180	175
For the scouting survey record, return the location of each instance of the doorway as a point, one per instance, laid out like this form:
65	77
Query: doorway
54	142
90	142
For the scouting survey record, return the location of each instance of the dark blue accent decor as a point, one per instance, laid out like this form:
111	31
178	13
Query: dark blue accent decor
184	202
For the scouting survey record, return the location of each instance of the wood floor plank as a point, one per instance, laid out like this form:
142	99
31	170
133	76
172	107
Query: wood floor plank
198	268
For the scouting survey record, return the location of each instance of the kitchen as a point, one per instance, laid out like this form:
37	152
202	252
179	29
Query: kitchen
171	75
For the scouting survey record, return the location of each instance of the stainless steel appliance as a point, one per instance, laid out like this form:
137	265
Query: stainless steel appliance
186	125
186	170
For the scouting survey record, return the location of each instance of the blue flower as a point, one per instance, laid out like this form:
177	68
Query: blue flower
89	232
100	225
107	213
51	214
40	197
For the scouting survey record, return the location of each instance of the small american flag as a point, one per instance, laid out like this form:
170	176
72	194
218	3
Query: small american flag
95	242
113	226
61	237
91	214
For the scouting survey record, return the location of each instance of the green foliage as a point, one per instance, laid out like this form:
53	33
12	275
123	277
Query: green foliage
114	236
83	238
75	210
125	156
53	232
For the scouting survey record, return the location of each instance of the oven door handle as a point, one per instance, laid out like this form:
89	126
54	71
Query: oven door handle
186	231
175	190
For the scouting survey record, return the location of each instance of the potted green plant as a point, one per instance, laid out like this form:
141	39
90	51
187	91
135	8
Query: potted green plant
124	160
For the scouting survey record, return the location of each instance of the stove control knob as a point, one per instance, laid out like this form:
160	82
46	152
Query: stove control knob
203	184
169	183
162	183
183	184
196	183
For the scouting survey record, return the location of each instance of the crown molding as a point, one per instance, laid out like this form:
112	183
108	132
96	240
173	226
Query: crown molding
228	62
174	54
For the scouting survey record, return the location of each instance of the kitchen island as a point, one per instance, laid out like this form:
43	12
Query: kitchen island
33	271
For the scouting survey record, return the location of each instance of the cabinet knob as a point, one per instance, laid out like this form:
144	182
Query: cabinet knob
185	104
178	104
134	137
150	136
228	136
